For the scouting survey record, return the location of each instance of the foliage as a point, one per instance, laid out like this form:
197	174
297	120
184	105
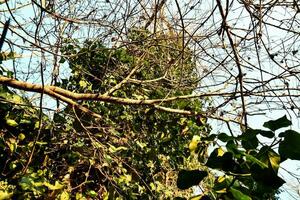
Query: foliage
133	152
247	170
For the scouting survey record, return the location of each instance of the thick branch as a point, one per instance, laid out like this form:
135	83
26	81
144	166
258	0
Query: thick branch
50	90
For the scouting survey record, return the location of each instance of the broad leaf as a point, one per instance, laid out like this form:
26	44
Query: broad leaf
289	147
224	162
249	139
211	137
267	177
224	137
238	195
268	134
269	157
278	123
255	160
189	178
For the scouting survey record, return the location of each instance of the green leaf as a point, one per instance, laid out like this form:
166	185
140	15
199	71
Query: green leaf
249	139
269	157
238	195
267	177
290	146
189	178
211	137
222	183
278	123
62	60
92	193
224	162
268	134
255	160
232	147
224	137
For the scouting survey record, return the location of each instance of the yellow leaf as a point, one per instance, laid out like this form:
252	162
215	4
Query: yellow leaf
5	195
220	152
17	99
221	191
64	196
21	136
82	84
274	160
194	143
221	179
11	122
56	186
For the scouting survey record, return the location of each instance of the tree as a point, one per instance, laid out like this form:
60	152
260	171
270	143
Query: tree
133	84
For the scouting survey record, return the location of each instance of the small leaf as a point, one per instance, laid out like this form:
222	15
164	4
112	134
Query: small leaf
56	186
114	149
62	60
92	193
21	136
194	143
11	122
294	52
238	195
278	123
17	99
289	147
221	184
187	179
82	84
25	121
64	196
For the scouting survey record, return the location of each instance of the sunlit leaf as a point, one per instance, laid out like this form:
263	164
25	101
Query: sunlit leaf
11	122
255	160
64	196
4	195
56	186
238	195
83	84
